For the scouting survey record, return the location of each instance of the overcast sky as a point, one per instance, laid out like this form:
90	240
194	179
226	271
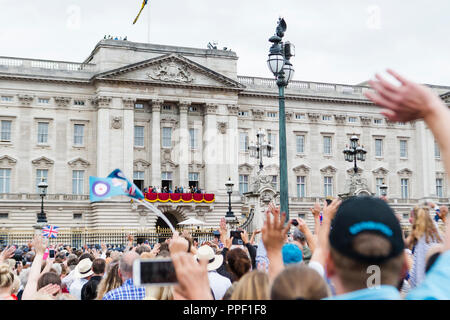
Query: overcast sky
341	41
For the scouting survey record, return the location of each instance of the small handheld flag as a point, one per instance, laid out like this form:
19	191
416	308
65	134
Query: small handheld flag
144	3
50	231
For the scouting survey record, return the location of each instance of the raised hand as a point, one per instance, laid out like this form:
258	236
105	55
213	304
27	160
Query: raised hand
193	282
39	244
50	289
178	244
329	211
274	232
409	101
316	210
7	253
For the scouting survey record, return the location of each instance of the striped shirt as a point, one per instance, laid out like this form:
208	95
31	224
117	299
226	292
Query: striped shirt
126	292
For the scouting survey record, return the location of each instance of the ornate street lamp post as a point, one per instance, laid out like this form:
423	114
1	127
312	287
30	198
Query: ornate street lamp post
282	69
354	153
260	149
230	217
41	218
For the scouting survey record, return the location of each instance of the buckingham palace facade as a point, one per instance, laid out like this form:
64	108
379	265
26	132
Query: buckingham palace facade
176	116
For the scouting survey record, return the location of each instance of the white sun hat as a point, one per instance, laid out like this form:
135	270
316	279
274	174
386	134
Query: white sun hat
206	253
84	268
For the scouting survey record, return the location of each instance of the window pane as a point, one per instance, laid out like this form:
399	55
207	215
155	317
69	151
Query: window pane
6	130
403	149
139	136
300	144
404	186
41	173
301	187
379	182
439	188
327	145
272	137
193	138
42	132
78	134
167	137
193	176
437	151
77	181
5	176
243	141
378	147
243	184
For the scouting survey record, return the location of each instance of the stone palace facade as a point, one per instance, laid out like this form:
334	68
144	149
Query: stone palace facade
182	116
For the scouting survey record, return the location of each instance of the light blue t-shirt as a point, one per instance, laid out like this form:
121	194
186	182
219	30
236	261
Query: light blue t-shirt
436	286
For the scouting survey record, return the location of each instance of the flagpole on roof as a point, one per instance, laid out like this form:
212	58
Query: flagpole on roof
148	29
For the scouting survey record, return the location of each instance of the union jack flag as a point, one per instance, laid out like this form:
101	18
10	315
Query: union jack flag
50	231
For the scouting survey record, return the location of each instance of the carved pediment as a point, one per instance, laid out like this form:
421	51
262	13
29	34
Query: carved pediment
328	170
79	162
446	96
380	171
168	165
196	166
301	169
313	116
405	172
140	164
258	114
170	69
62	101
7	161
245	168
43	162
340	118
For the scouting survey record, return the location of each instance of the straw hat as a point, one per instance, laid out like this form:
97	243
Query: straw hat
84	268
207	253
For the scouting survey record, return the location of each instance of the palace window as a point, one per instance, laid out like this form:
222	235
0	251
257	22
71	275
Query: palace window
272	114
139	106
378	147
243	141
326	118
439	188
352	119
5	180
138	136
193	179
300	144
138	179
6	99
6	130
243	183
77	181
404	188
274	182
79	102
78	134
403	148
379	183
272	137
437	151
193	138
42	137
243	113
377	121
166	180
167	137
43	100
300	116
328	186
41	173
301	186
327	145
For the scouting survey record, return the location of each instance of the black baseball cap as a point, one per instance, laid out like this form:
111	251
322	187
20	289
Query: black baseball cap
358	215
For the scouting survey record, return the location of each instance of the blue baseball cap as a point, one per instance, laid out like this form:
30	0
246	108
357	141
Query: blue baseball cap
291	254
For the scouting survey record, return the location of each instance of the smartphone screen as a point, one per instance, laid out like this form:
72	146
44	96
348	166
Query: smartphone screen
159	272
51	253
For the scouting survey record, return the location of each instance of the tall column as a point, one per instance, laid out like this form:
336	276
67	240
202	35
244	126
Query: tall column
128	137
233	147
210	147
184	144
423	175
156	142
103	132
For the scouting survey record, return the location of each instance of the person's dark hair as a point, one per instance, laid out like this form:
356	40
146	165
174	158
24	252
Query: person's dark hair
238	263
141	249
98	266
79	253
61	256
72	261
297	282
431	260
48	278
353	274
86	255
164	246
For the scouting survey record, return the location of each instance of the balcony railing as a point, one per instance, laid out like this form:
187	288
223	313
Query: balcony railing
46	64
48	197
307	86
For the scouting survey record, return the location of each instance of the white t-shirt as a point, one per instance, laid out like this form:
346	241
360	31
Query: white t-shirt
76	286
219	284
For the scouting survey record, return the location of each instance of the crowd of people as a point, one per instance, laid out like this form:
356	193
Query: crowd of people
177	189
357	250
